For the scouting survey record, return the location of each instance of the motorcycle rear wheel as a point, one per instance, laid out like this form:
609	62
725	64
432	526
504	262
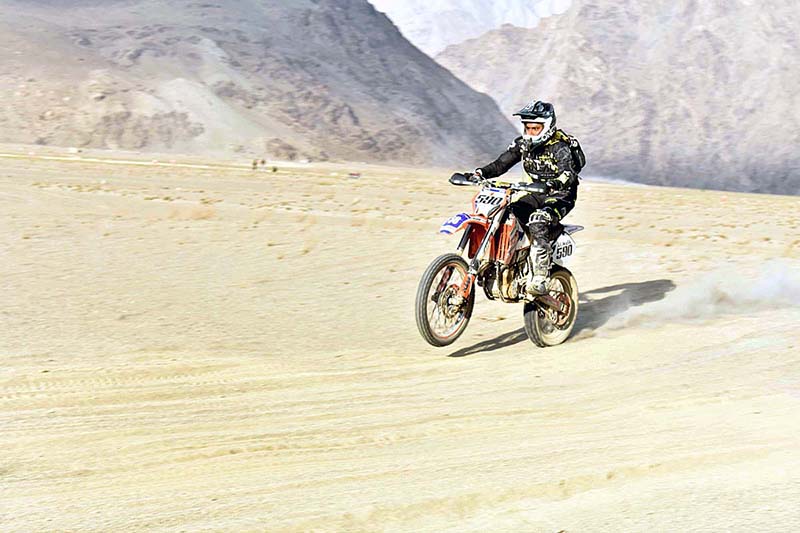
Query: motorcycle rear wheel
441	317
546	326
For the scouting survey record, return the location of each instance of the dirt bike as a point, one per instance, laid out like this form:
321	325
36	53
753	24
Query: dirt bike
496	248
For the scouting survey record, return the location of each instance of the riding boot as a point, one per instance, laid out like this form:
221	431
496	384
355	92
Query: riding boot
539	261
540	255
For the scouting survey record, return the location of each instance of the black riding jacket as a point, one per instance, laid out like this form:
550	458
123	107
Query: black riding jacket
551	160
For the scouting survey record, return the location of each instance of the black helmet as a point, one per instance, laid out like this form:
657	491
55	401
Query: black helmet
541	113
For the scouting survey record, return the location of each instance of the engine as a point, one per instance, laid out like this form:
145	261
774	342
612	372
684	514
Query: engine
506	282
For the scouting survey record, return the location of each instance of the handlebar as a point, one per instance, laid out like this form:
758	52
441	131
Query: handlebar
461	179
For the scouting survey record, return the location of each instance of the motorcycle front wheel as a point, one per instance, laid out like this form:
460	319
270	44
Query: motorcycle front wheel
546	326
442	314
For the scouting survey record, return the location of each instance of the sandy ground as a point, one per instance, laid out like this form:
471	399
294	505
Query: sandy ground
189	348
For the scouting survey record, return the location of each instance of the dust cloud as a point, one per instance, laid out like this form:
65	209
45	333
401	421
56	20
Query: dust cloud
721	292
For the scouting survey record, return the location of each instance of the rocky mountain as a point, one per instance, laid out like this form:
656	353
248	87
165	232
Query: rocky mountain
320	79
433	25
698	94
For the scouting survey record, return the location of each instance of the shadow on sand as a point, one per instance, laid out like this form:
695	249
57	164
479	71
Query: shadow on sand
594	312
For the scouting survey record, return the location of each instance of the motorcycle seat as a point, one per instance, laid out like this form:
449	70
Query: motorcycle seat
570	229
560	228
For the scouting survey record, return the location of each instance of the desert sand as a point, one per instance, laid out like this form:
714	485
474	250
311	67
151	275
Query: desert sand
199	346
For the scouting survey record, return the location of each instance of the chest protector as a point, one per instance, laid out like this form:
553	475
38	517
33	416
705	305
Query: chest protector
541	164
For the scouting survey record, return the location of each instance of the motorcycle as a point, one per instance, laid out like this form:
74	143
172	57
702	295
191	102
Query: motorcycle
493	254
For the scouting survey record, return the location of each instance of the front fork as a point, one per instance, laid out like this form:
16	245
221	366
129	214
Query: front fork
472	274
462	245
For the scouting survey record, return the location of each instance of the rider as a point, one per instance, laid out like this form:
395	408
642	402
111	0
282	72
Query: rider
548	156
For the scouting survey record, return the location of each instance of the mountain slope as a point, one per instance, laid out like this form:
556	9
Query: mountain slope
320	79
432	25
686	93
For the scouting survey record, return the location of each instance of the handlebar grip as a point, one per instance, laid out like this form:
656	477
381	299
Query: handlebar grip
460	179
533	187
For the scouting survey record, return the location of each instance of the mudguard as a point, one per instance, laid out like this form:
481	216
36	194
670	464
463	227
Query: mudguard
456	223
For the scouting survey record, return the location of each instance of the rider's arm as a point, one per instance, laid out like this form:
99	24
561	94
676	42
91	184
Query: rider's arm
566	175
502	164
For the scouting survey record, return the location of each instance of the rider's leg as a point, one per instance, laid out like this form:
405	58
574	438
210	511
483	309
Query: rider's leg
562	202
522	210
542	225
540	256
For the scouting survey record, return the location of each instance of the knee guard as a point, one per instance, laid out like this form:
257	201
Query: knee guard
539	225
